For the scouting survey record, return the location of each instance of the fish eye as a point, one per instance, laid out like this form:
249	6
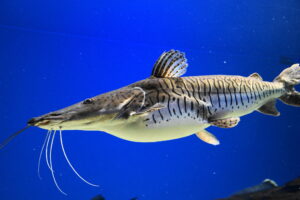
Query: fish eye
87	101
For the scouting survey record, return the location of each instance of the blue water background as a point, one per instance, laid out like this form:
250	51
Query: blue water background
56	53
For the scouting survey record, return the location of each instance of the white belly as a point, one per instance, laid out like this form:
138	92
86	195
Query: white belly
137	131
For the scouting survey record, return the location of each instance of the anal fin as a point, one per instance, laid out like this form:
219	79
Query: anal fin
225	123
269	108
208	137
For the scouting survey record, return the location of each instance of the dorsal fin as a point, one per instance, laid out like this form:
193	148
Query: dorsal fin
256	76
170	64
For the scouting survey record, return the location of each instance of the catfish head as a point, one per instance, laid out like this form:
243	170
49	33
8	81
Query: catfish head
96	113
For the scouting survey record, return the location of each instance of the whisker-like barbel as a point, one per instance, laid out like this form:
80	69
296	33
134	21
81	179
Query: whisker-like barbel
41	153
68	161
11	137
46	150
51	166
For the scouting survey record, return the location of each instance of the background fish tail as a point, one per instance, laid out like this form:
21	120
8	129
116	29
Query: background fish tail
290	77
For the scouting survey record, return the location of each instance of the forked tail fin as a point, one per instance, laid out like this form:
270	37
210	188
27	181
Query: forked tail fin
290	77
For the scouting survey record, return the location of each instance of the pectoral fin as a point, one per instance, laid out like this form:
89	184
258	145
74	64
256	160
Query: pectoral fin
225	123
153	108
208	137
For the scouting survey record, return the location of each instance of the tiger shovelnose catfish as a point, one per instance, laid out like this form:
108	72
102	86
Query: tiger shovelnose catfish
166	106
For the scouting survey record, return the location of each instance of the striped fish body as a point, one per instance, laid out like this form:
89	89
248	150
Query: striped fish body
167	106
190	103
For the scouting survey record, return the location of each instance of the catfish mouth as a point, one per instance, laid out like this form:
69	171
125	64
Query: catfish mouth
85	115
58	119
72	120
51	119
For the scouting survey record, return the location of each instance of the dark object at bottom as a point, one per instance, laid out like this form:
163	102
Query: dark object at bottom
98	197
290	191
